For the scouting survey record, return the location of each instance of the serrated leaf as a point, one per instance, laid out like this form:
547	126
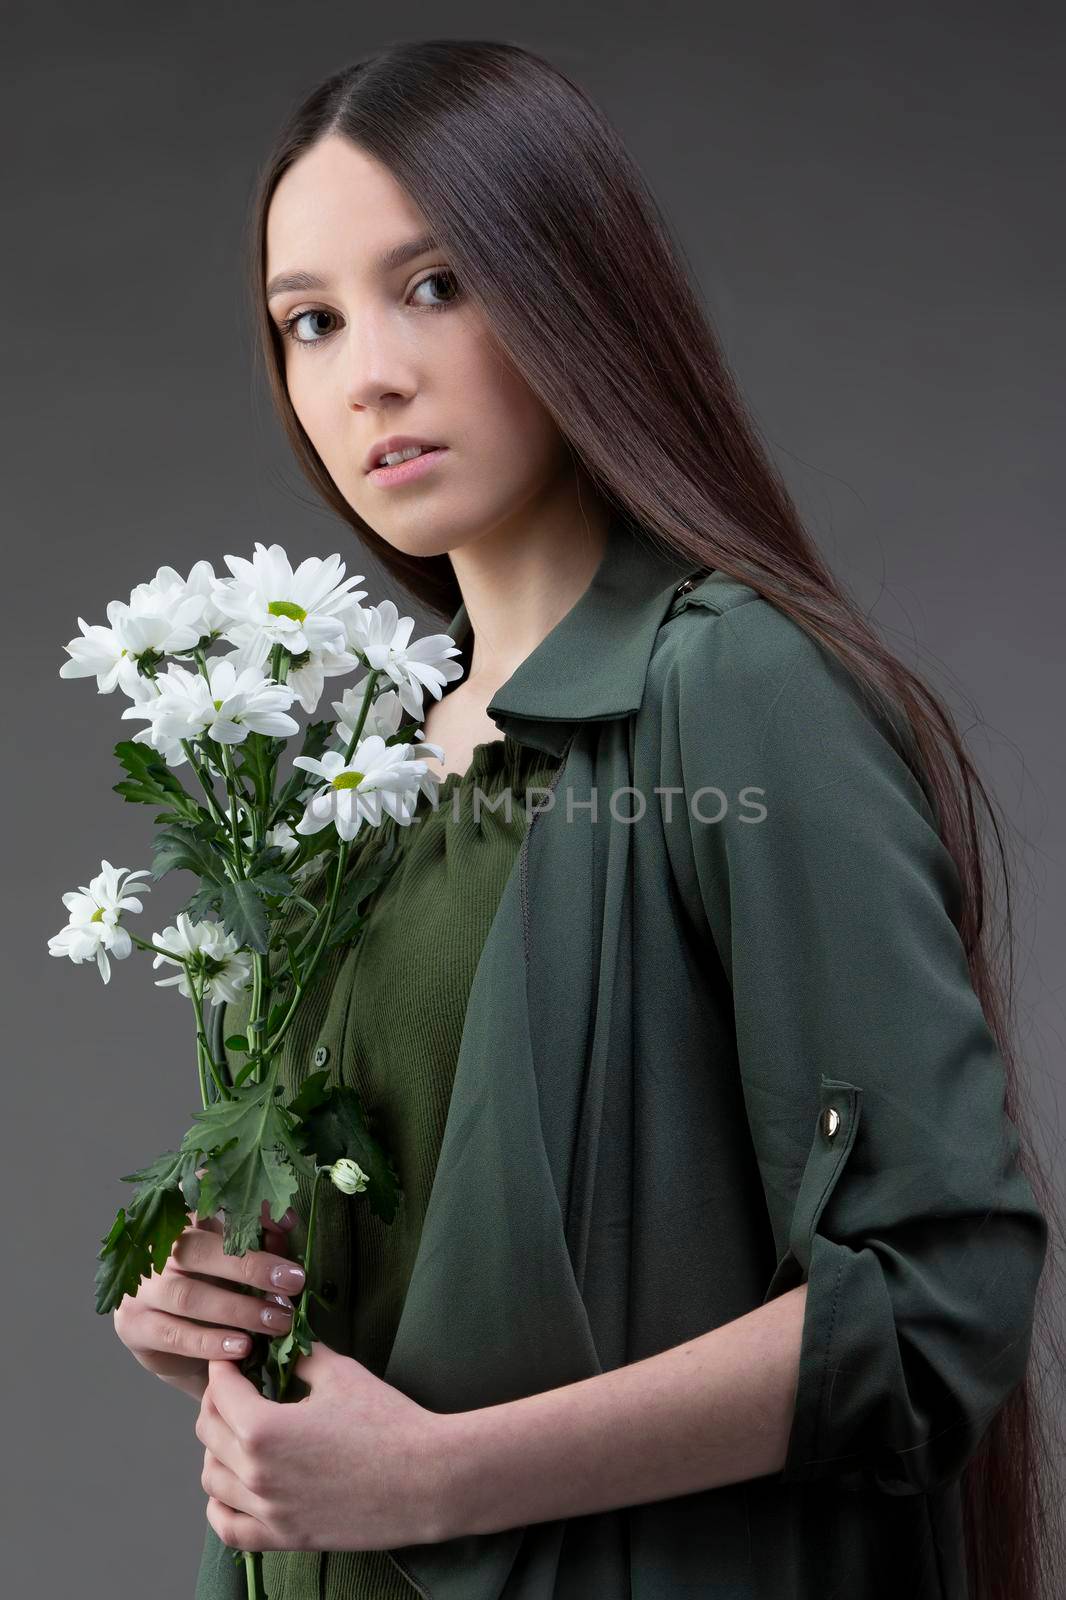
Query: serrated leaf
151	781
243	914
254	1151
202	905
181	846
123	1262
271	881
143	1233
314	1091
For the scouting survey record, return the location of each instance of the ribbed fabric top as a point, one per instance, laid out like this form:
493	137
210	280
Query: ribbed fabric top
387	1019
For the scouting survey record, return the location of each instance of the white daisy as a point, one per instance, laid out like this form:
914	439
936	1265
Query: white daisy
151	627
383	717
380	635
267	603
378	778
208	951
201	583
94	930
226	706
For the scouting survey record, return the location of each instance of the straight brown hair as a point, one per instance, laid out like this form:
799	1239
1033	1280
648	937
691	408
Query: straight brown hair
553	233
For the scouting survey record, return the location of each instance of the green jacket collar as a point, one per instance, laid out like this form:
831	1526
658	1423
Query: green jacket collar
593	663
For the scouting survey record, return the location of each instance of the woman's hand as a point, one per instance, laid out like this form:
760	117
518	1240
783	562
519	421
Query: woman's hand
355	1465
181	1318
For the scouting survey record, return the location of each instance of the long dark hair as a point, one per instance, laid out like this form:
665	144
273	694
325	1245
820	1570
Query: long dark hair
553	233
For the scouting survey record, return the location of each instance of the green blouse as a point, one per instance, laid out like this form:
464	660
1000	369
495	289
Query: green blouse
397	1000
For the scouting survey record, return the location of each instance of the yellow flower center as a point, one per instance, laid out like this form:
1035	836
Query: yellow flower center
348	780
287	608
98	915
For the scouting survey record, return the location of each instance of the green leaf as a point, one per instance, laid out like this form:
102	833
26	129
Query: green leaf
268	855
299	1341
203	904
336	1127
357	890
253	756
143	1233
182	846
151	781
313	1092
271	881
237	1041
244	915
254	1150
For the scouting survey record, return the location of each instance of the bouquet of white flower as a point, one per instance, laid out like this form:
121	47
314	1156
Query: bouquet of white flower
251	849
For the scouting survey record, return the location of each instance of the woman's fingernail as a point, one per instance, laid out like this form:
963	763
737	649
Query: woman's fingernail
288	1277
288	1219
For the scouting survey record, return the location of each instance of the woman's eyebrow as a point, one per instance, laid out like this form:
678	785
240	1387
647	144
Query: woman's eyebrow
392	258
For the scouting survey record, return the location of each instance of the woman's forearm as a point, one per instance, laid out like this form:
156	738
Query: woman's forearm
715	1410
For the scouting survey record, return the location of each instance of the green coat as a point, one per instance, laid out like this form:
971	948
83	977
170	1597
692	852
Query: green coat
711	1053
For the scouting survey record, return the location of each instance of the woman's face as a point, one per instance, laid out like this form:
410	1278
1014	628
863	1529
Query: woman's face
372	350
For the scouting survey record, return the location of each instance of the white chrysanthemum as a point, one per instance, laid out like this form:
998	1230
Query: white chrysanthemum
378	778
155	623
226	705
208	951
94	930
383	717
381	635
348	1176
168	587
266	603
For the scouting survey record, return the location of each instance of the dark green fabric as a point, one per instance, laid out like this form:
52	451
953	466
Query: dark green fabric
390	1017
703	1061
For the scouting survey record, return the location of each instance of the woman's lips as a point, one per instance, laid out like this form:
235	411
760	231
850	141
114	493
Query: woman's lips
407	471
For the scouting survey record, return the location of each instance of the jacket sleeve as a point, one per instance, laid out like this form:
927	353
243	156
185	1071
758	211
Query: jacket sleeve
872	1083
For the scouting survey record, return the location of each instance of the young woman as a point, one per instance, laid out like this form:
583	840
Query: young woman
720	1247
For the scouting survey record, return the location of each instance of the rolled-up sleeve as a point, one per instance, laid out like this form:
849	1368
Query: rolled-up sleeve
873	1085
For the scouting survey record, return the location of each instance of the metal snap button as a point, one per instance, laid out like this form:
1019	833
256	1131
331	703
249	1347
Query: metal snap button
830	1121
683	588
321	1056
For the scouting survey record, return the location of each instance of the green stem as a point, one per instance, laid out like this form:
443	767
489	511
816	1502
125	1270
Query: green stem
201	1038
204	1098
215	809
322	928
253	1574
301	1312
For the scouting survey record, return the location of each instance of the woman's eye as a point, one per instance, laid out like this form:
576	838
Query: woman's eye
315	334
289	326
442	275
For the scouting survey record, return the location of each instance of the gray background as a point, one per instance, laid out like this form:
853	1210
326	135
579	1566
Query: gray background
868	202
